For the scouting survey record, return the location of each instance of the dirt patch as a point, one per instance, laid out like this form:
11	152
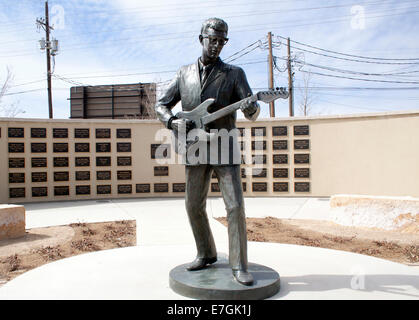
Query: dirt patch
43	245
395	246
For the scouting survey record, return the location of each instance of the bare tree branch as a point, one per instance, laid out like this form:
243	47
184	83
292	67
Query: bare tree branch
307	98
11	110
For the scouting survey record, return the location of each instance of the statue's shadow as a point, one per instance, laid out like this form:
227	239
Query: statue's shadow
382	283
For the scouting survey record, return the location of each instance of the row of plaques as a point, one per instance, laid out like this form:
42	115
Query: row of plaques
301	144
41	147
125	133
79	133
41	162
278	131
299	158
146	188
19	177
263	187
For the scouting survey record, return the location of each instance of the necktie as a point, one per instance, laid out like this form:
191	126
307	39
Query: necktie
205	73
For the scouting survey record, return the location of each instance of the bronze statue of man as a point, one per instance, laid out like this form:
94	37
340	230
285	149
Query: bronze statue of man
210	77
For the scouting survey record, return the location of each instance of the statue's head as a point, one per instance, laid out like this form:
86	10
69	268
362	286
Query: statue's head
213	37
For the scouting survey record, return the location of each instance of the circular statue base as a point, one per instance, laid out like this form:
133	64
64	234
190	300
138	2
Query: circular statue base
216	282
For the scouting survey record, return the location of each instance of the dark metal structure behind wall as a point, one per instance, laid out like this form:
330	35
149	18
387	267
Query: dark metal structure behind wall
118	101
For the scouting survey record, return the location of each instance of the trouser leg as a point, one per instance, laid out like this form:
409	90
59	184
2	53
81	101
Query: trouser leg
231	189
197	184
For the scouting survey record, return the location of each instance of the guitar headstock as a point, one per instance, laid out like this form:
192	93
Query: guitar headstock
271	95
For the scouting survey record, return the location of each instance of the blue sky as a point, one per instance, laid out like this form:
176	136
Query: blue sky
130	41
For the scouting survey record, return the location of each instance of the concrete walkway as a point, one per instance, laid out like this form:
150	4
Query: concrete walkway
164	240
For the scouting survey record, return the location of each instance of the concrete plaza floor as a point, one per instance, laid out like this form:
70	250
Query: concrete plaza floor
164	240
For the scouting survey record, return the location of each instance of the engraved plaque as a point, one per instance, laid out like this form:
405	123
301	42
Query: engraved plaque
16	162
39	162
39	177
83	189
38	147
61	176
301	130
16	132
124	188
124	161
215	187
16	192
82	161
161	171
280	144
81	133
103	147
259	159
38	132
102	133
82	175
16	147
61	191
301	144
301	173
280	172
301	158
259	186
123	133
124	175
179	187
60	132
103	189
103	175
39	191
259	173
160	151
82	147
280	186
161	187
60	147
258	145
60	161
142	188
17	177
103	161
302	186
258	131
279	131
123	147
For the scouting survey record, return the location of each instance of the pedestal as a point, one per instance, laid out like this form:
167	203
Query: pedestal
216	282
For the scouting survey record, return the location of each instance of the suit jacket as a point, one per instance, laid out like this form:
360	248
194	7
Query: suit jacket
226	83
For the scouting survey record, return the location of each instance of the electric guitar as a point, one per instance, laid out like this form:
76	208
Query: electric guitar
200	117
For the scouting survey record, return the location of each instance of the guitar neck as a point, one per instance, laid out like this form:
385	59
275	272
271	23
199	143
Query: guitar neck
222	112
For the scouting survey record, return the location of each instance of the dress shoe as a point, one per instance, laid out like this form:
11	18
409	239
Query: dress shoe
243	277
200	263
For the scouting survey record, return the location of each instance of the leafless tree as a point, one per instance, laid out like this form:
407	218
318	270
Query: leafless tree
307	96
10	110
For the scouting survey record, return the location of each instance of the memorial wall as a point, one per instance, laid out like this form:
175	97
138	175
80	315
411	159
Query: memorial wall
52	160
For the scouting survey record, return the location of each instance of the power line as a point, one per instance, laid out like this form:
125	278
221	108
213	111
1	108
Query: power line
350	55
360	79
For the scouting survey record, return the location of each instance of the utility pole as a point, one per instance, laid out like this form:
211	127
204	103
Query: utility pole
51	49
290	88
271	75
